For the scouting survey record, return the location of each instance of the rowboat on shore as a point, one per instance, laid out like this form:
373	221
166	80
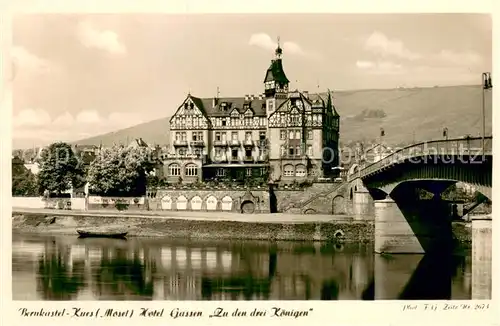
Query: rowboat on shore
101	234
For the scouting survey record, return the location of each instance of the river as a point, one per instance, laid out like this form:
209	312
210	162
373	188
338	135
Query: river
69	268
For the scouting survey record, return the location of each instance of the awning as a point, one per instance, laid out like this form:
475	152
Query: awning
252	165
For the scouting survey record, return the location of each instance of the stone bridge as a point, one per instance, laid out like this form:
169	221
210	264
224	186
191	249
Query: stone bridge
389	191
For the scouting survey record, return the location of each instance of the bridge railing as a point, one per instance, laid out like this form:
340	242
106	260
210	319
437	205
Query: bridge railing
457	147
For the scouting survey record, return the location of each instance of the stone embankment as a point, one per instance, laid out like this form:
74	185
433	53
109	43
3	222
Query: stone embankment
201	225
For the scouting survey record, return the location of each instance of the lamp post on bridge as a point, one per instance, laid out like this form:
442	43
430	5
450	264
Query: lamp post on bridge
445	133
486	83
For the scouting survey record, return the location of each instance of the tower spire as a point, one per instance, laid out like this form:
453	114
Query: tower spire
278	51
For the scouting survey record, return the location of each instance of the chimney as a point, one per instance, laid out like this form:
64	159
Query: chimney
215	100
251	97
246	97
260	97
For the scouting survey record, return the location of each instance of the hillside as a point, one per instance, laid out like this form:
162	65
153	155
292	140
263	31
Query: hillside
405	114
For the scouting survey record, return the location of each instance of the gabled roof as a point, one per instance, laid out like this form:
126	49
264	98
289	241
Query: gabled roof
257	105
139	142
275	72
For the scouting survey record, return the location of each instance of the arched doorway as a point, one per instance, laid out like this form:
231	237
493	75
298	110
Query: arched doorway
338	205
247	207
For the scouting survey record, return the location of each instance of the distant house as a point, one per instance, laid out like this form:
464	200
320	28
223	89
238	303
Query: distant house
375	153
33	167
137	143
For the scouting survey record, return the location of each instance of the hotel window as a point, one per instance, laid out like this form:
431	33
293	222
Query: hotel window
300	171
218	152
224	122
177	136
221	172
291	151
249	172
197	136
234	154
309	134
217	136
174	170
282	134
195	121
182	151
235	122
248	121
248	153
200	135
184	136
262	135
191	170
288	170
283	150
248	136
271	105
297	134
297	150
291	134
234	135
224	136
309	150
283	119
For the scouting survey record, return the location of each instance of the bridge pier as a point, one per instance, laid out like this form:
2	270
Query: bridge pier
362	205
419	226
481	257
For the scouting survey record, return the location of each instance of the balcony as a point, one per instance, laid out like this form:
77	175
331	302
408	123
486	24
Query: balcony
220	143
262	158
180	143
197	143
248	143
234	142
219	158
248	159
183	156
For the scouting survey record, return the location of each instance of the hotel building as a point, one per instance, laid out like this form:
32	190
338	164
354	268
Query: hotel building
280	135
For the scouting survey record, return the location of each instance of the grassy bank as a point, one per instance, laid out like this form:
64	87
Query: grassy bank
342	231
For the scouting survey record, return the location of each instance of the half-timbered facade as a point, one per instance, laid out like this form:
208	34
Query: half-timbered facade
288	135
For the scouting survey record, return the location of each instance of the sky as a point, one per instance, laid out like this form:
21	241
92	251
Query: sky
80	75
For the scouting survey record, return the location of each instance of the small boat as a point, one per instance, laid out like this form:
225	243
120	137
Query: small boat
101	234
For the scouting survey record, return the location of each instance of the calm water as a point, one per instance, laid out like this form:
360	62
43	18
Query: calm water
69	268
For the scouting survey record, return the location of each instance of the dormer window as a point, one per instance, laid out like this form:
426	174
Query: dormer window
186	106
191	105
223	106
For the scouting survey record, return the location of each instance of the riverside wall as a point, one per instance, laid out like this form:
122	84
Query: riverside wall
339	231
342	230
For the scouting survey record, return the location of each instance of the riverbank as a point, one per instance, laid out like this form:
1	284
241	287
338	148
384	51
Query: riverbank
199	225
208	225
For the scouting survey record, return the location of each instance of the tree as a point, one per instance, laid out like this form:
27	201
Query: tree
60	169
23	180
121	171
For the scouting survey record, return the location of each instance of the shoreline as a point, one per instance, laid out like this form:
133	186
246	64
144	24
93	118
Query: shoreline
198	226
208	225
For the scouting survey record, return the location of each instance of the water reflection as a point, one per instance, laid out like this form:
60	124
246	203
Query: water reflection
68	268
